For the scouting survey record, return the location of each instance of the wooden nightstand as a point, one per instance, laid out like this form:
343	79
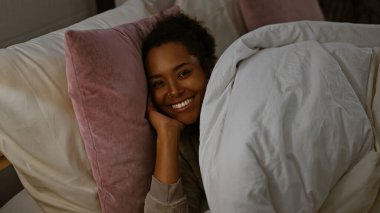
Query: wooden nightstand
10	184
4	163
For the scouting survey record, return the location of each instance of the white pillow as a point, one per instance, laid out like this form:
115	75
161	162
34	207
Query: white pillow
222	17
39	134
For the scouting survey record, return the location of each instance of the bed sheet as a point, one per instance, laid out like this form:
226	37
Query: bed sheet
22	202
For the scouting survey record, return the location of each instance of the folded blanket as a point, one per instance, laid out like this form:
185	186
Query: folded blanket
287	115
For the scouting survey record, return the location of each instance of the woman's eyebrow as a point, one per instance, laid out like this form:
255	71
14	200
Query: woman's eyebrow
176	68
179	66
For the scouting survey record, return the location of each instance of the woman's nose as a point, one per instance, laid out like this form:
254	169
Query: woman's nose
174	90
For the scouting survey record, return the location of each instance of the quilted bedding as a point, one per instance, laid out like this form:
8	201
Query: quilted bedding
289	123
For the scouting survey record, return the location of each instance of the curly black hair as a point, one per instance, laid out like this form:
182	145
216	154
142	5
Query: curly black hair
187	31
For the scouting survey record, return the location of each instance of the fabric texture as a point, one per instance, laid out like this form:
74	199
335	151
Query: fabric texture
39	133
108	88
187	195
258	13
287	118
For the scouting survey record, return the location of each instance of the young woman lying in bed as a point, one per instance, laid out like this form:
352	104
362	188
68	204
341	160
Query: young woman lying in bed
179	55
178	68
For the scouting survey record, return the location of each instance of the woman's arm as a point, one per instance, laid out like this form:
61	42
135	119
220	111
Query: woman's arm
167	145
167	148
166	193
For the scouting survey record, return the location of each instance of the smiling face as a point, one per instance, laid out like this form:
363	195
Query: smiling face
177	81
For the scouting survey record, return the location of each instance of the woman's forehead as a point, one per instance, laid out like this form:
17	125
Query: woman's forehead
168	57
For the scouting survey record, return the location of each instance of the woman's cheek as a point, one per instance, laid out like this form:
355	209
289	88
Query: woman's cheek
158	98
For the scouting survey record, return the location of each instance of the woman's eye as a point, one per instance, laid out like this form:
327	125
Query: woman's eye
183	74
156	84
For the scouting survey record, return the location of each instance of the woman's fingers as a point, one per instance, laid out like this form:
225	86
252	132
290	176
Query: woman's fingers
160	121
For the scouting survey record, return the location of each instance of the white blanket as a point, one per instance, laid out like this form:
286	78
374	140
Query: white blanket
287	121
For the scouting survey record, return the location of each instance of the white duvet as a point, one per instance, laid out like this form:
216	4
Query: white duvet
287	123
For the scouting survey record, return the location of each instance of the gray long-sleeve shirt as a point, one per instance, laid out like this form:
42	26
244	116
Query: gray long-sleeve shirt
187	195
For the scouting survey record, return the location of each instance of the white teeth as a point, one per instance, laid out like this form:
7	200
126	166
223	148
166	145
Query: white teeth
182	104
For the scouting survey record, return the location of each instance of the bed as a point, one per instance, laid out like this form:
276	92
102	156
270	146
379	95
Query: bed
65	159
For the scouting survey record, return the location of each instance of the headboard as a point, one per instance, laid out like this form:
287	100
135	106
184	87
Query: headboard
21	20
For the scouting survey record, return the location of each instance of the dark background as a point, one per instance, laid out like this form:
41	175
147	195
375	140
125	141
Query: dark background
355	11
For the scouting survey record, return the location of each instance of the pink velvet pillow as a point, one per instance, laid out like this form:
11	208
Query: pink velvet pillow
108	88
257	13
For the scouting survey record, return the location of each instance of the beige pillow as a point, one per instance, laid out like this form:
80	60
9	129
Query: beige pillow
38	131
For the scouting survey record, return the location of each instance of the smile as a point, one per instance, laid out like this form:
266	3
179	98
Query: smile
182	104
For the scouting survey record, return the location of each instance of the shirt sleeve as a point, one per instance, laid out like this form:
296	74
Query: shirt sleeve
165	198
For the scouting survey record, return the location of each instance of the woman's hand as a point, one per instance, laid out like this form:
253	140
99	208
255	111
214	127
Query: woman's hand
162	123
168	137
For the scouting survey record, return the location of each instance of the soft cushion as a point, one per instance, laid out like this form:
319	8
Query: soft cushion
258	13
286	120
108	88
39	133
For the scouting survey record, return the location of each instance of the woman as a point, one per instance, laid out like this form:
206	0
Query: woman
179	55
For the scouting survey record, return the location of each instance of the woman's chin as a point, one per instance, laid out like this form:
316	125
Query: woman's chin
187	120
